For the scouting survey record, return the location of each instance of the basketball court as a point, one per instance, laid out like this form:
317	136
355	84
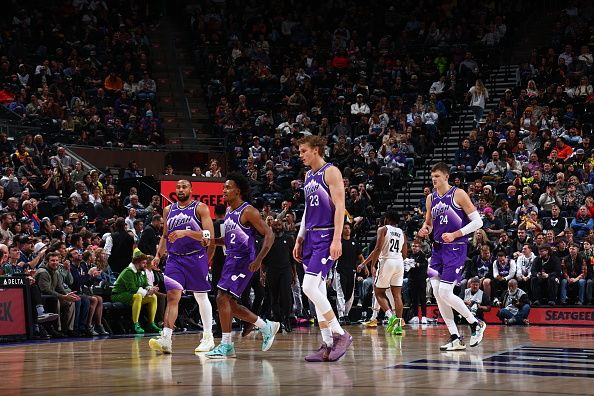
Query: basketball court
532	360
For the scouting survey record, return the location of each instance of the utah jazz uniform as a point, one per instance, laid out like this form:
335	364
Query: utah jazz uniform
240	247
319	224
187	262
447	259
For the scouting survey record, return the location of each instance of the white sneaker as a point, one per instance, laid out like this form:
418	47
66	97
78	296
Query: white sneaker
477	335
414	320
424	320
160	344
206	344
453	344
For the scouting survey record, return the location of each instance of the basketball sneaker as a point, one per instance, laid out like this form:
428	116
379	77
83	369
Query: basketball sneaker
206	344
414	320
397	329
424	320
454	344
370	323
222	351
392	322
341	344
268	334
477	334
160	344
321	355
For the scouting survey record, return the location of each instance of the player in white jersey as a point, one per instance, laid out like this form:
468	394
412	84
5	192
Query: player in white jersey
391	249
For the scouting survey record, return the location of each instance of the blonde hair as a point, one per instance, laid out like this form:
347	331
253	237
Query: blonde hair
480	88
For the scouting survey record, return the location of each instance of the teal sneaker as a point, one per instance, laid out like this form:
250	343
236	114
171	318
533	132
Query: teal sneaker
392	322
222	351
268	334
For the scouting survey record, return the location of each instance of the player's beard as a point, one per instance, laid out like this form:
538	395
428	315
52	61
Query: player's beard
183	198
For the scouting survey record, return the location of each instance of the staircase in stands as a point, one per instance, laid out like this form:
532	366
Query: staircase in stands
499	80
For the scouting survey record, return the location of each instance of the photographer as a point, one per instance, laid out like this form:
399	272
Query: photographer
476	300
517	305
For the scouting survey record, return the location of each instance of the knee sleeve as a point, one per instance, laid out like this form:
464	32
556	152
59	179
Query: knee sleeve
312	287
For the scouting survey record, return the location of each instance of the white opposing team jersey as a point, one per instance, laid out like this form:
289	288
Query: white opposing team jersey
393	244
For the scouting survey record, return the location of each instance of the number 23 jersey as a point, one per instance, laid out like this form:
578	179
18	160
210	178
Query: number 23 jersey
319	211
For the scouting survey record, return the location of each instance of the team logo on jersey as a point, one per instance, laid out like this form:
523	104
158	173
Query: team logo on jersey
311	187
439	209
178	220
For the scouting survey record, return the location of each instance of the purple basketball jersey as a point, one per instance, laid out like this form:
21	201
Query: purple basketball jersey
184	219
240	244
239	239
320	208
447	216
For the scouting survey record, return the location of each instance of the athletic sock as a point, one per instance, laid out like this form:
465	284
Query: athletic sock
373	315
167	332
389	313
227	339
327	336
335	327
259	323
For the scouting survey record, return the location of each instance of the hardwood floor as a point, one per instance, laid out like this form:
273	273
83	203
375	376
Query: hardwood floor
533	360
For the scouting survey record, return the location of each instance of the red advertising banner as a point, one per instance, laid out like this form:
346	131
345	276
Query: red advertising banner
549	316
12	312
210	193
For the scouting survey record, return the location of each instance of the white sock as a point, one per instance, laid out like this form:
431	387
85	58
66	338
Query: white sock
259	323
167	332
374	315
205	308
389	313
335	327
327	336
227	339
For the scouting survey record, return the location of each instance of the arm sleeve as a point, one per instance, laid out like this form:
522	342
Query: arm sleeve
475	223
302	225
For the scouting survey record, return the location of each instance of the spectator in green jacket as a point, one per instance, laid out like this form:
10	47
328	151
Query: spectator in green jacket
132	288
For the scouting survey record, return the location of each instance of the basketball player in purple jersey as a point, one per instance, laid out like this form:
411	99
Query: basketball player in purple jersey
185	237
451	216
319	243
242	223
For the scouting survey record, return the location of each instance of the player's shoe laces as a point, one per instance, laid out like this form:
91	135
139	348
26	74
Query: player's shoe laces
160	344
477	334
222	351
206	344
268	334
370	323
453	344
341	344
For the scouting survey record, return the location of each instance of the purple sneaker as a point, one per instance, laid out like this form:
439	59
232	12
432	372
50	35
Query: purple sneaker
320	356
341	344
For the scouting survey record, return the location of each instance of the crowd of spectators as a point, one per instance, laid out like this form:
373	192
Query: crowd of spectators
79	72
527	166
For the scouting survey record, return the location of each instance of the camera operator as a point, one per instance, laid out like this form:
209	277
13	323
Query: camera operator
516	303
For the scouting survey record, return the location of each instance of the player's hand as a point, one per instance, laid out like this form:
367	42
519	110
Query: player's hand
447	237
175	235
424	231
297	250
335	250
255	265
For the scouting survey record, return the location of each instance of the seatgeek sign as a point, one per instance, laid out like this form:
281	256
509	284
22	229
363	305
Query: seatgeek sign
210	193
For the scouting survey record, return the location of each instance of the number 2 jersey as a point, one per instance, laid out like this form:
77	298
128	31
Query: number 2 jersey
320	209
447	216
240	241
393	243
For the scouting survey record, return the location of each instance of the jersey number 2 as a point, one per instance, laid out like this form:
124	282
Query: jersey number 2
233	238
394	245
